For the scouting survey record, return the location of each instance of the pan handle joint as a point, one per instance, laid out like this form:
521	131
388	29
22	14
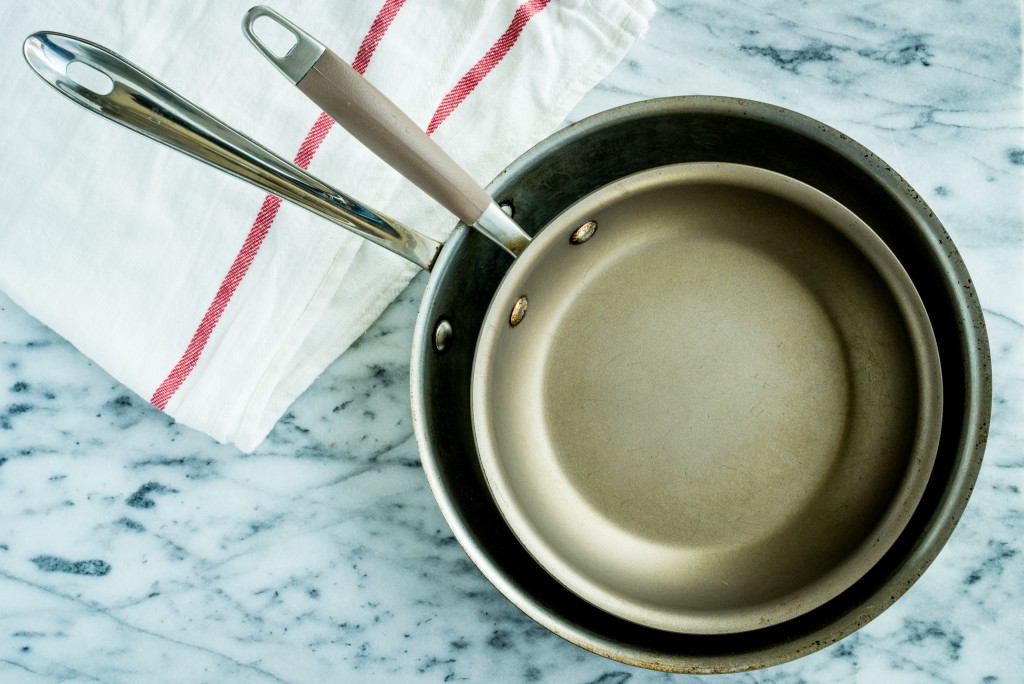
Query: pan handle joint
299	58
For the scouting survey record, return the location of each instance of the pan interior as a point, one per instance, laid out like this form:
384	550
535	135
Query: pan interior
718	411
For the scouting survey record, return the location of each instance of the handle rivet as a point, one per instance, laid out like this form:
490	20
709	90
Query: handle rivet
583	233
518	311
442	335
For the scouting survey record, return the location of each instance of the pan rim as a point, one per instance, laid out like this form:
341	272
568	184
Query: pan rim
971	359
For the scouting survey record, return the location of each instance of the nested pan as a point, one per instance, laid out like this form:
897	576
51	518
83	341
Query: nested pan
706	397
590	154
759	451
720	410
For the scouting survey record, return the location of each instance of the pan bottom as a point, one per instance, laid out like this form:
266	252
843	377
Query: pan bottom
713	416
733	378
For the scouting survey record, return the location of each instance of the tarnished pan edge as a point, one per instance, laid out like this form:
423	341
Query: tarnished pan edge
977	390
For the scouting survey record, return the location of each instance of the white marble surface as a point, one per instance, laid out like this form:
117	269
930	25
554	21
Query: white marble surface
135	550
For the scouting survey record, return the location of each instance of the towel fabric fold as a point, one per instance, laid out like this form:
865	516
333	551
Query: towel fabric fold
219	304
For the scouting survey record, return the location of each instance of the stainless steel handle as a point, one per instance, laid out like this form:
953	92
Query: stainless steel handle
385	129
143	104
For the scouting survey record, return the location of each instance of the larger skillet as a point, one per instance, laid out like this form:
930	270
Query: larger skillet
448	456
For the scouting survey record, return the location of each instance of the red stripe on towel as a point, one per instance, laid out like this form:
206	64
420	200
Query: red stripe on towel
271	204
261	226
379	27
472	79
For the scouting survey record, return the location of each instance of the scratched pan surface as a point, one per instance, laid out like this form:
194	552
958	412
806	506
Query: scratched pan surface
604	149
719	407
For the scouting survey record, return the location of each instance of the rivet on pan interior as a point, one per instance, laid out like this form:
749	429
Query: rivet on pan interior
518	311
583	233
442	335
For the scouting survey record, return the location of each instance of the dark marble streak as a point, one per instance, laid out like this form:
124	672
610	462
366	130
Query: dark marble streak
903	51
141	497
89	568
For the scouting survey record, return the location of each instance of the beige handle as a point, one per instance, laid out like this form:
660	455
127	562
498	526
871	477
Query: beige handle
385	129
376	122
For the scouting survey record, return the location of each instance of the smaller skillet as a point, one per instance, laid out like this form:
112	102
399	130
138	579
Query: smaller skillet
706	398
720	411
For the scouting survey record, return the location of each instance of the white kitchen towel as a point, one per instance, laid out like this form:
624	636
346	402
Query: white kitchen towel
216	303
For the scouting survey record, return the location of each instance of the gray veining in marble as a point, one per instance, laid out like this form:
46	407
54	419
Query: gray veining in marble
133	550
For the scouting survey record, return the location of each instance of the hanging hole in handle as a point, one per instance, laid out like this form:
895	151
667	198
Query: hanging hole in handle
276	37
89	77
